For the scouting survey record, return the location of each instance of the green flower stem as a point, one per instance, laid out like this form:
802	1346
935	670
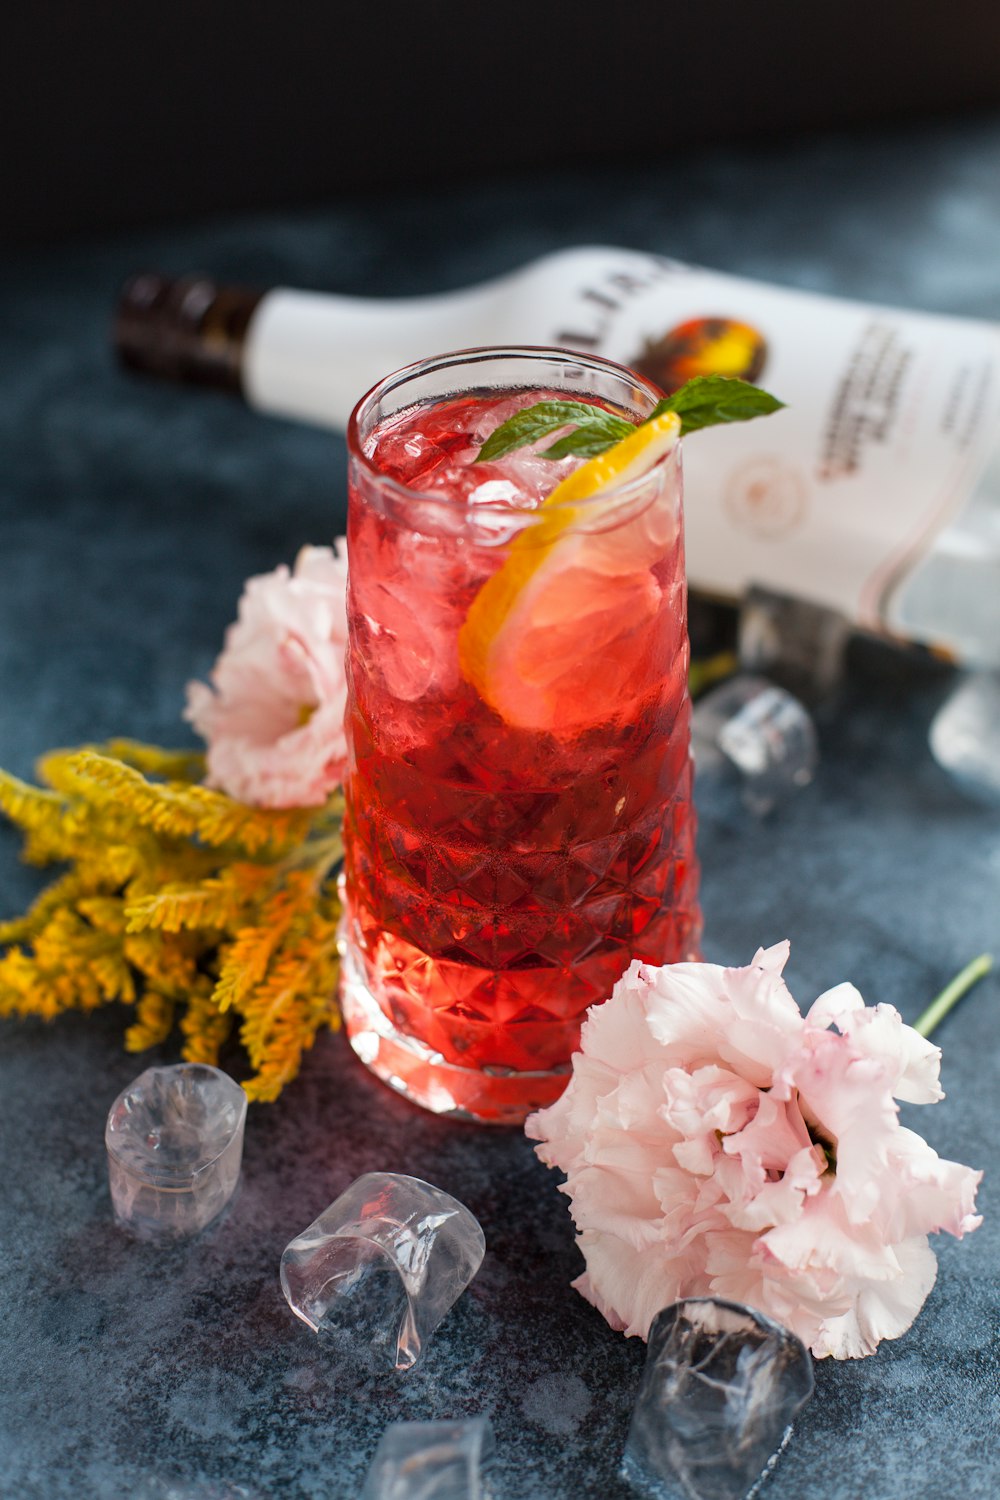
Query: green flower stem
952	994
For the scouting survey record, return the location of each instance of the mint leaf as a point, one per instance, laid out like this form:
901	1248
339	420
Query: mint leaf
705	401
595	437
538	421
710	400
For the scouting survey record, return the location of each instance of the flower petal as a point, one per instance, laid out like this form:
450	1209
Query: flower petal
273	718
715	1142
884	1310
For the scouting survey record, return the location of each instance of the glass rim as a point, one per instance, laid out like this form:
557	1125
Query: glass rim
482	354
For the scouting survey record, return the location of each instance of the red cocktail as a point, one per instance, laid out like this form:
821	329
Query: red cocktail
519	820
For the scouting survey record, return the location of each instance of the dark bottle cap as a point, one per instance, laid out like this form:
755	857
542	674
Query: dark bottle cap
189	329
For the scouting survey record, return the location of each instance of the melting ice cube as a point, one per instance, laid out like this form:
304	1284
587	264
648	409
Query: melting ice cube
383	1264
430	1461
750	730
175	1143
719	1391
965	735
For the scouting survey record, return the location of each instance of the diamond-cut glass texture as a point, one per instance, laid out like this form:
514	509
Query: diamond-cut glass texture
500	879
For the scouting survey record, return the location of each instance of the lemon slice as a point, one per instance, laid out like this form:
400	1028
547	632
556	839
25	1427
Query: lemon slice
544	640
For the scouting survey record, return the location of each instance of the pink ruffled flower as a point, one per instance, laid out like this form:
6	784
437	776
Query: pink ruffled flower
715	1141
274	715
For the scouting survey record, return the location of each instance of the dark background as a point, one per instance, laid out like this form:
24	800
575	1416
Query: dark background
116	114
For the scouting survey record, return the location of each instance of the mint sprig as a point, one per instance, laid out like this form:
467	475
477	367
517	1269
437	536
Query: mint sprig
705	401
592	426
711	400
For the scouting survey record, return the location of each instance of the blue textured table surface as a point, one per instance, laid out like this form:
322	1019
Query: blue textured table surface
129	516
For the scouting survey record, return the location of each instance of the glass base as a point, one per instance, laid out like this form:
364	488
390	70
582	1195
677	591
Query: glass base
490	1097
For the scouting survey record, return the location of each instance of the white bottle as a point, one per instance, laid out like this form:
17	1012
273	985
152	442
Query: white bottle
876	492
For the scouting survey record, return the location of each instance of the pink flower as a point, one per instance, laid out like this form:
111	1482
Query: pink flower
715	1141
274	715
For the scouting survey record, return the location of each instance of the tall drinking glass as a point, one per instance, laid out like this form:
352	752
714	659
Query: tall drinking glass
519	822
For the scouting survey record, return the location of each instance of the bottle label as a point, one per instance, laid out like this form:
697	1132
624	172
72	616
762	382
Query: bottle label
891	417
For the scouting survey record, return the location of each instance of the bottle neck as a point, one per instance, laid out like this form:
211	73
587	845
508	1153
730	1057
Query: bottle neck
189	329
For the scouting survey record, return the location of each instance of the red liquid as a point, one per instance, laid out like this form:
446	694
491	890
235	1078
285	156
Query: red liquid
500	878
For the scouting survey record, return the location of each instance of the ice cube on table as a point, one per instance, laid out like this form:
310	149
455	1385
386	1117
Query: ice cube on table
383	1264
431	1461
752	732
965	735
719	1391
174	1139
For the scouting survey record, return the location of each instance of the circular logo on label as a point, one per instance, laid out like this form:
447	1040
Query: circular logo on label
766	497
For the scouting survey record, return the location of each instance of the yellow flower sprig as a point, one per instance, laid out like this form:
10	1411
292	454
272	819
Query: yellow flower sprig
178	901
